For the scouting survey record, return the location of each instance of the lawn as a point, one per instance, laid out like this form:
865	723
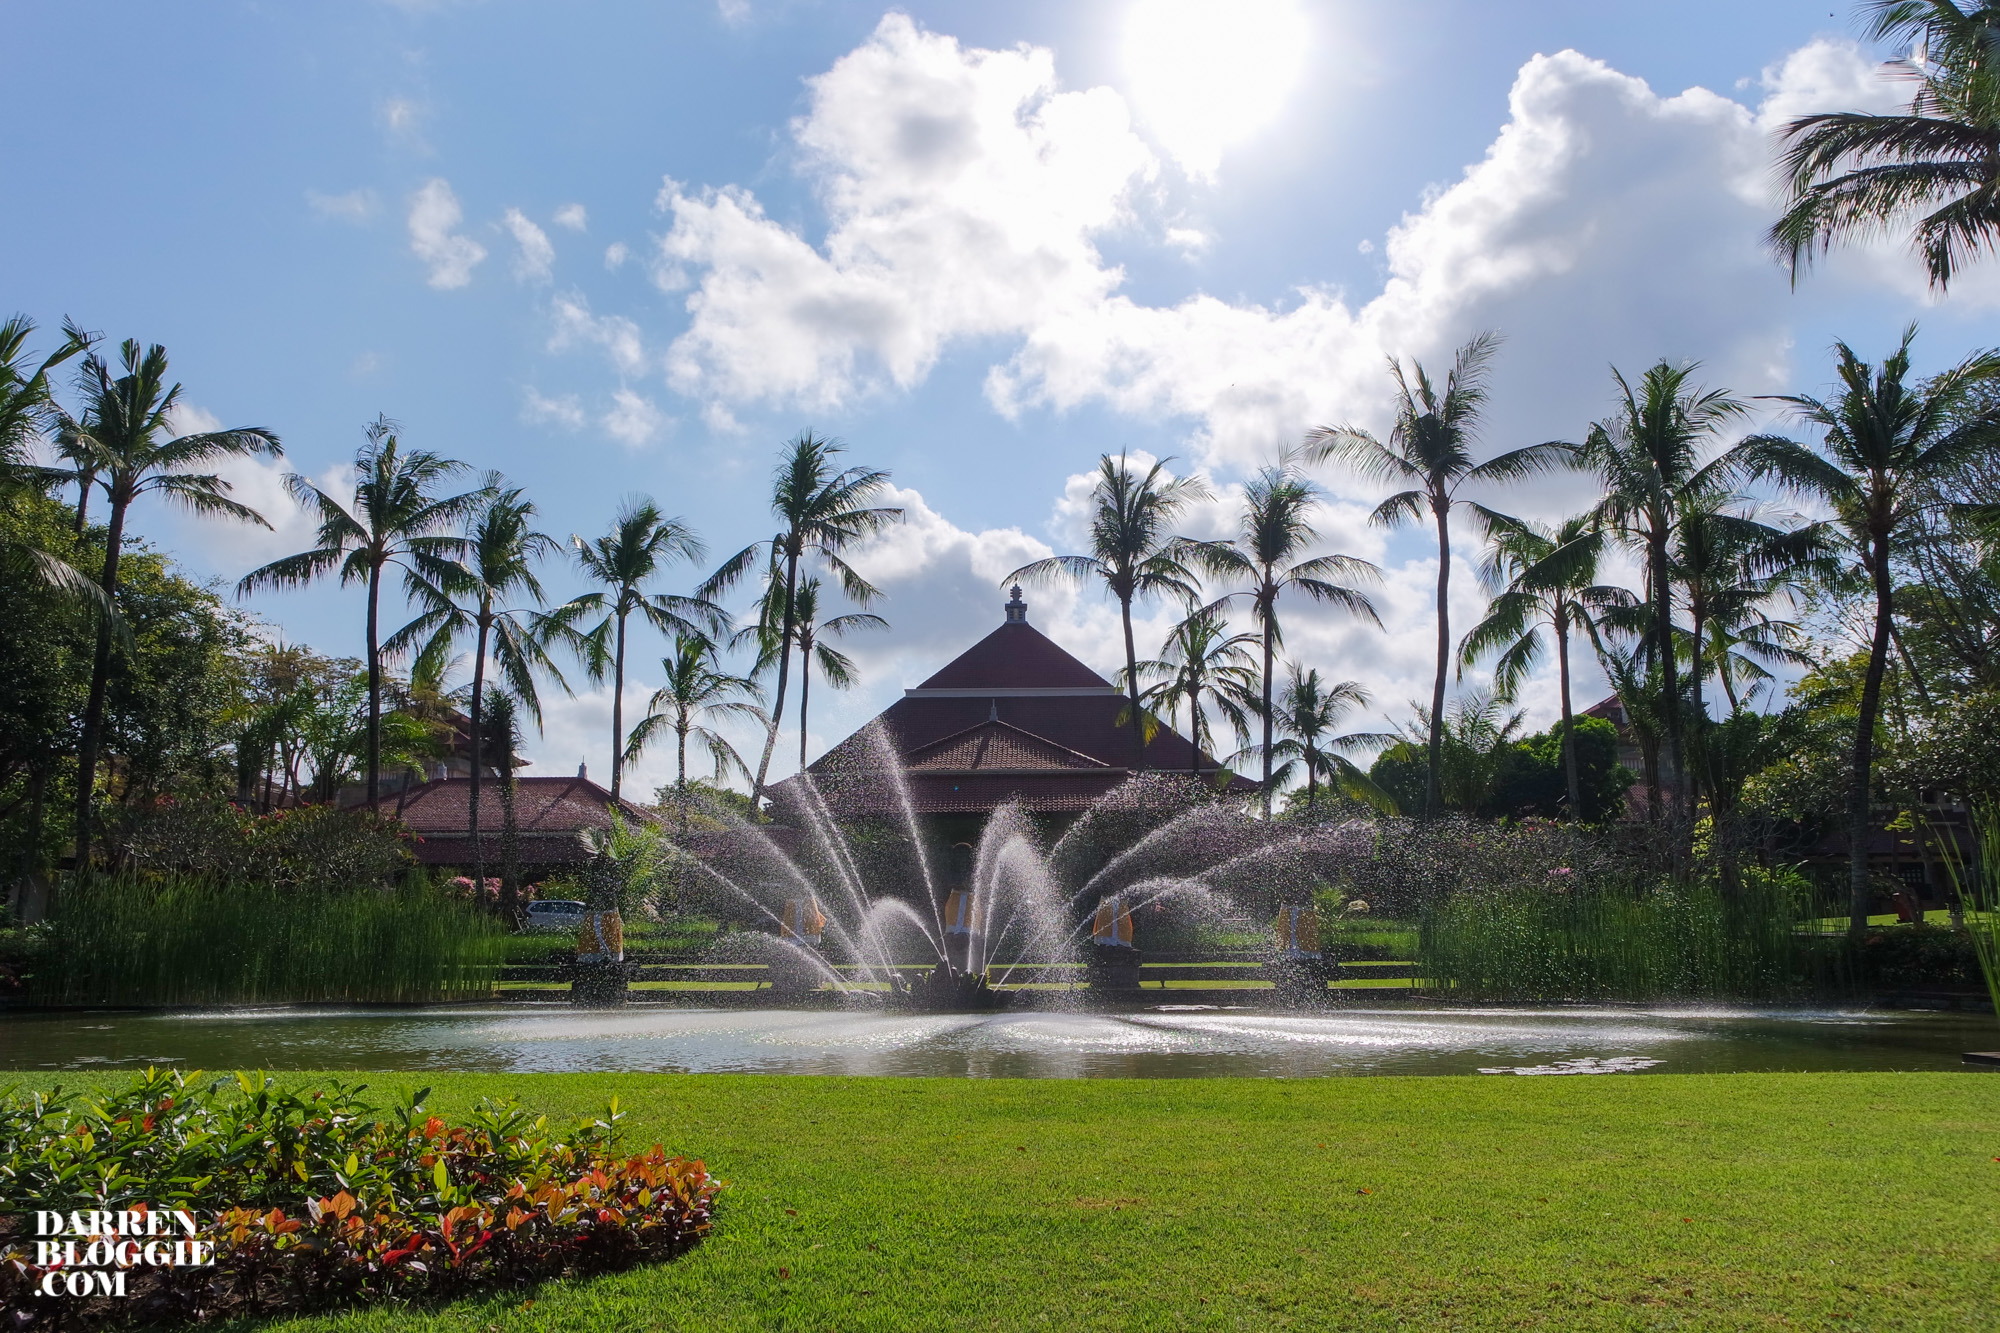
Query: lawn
1653	1202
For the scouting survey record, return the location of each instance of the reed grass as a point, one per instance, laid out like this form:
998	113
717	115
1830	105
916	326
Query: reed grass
1623	942
1978	889
136	940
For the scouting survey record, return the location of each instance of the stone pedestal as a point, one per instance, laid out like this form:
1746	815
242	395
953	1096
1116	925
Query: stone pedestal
1113	969
602	983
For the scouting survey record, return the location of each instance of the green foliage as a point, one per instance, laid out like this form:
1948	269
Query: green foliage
314	847
127	939
1483	771
313	1198
1576	937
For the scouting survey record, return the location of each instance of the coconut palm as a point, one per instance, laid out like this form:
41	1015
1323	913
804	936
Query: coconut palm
697	692
1652	457
502	740
1134	553
1430	454
28	413
501	552
811	634
1540	577
1203	665
1309	717
1884	443
822	513
1274	530
396	518
126	428
625	560
1932	167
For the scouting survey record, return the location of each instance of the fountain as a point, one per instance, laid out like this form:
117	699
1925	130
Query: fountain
846	890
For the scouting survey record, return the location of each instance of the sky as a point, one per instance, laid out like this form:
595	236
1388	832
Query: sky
624	249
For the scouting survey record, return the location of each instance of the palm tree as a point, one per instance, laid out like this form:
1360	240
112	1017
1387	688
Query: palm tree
1202	665
1933	166
821	514
27	414
396	519
125	428
625	560
1540	576
1884	444
1309	714
1429	453
1649	457
1274	530
812	634
697	691
502	740
1133	552
501	551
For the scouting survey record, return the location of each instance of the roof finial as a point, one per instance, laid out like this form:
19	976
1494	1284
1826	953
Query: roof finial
1017	610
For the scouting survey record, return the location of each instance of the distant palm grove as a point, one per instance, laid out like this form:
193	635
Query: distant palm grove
1796	601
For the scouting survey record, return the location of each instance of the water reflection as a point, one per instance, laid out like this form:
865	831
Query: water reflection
1167	1041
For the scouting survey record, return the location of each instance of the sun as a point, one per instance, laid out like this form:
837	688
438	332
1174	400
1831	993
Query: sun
1206	75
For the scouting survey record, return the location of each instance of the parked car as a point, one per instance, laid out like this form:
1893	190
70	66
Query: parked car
554	914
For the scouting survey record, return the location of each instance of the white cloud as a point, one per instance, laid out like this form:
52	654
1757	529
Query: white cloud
434	218
537	256
572	216
632	420
733	12
566	411
576	326
615	255
355	206
966	193
1190	241
400	115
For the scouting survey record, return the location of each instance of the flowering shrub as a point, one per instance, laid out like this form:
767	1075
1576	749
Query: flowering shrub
312	1199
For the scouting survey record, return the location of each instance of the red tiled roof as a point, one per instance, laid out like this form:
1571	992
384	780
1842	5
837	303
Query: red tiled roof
994	745
1015	656
547	812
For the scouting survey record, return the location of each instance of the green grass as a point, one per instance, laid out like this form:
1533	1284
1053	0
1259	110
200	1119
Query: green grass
1748	1201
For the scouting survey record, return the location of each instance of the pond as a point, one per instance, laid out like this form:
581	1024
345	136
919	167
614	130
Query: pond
1164	1041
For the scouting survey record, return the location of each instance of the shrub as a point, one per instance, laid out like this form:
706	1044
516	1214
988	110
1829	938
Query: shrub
125	939
313	1199
311	847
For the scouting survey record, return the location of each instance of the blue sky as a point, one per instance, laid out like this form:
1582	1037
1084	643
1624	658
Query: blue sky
975	241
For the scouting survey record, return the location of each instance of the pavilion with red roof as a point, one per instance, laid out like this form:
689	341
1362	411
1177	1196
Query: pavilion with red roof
1015	718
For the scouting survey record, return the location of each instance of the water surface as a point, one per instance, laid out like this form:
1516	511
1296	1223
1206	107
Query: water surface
1165	1041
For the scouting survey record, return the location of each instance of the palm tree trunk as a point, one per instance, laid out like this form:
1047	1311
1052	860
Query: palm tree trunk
1663	636
374	687
784	674
1268	616
618	712
1436	747
1569	722
478	746
510	842
1132	688
1698	714
681	774
805	697
100	680
1860	894
1728	685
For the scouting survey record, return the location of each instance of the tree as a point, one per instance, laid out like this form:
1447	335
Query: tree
503	741
821	515
1480	737
1852	174
397	518
501	550
1539	576
812	634
27	413
1883	441
1202	665
1274	530
125	429
697	691
1429	453
1134	553
1309	715
1649	457
625	560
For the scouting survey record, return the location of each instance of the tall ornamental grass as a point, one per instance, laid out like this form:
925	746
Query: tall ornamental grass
127	939
1978	889
1620	942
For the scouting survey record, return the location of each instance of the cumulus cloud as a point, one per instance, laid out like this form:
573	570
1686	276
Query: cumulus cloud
435	239
355	206
575	326
966	193
565	411
632	420
536	256
573	217
615	255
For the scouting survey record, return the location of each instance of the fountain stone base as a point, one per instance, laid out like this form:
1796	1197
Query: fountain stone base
599	984
1113	968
